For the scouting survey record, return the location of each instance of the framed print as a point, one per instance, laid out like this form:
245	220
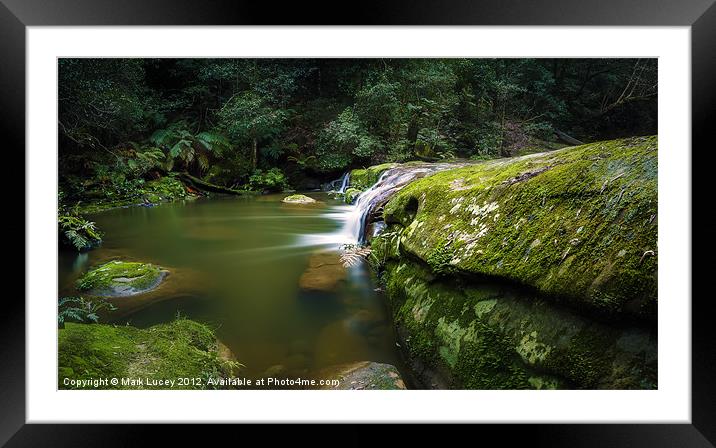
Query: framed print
359	224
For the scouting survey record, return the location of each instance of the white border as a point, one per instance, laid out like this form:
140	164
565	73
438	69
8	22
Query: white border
671	403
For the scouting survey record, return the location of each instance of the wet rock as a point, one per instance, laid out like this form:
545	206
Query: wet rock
121	279
363	375
299	199
325	273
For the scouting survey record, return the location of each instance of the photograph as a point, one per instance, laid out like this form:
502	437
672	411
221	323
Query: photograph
357	223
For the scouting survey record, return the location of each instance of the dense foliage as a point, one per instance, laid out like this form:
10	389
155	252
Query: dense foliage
267	123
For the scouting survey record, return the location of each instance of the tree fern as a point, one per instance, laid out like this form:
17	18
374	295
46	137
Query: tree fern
190	149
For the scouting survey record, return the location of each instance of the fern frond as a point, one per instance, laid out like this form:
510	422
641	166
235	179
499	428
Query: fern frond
162	137
354	254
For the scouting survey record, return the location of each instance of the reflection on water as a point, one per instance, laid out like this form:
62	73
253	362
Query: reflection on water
236	263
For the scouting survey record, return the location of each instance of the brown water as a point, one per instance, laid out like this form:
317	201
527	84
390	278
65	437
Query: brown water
235	263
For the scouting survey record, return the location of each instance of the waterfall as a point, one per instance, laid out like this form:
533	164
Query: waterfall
389	183
355	218
342	181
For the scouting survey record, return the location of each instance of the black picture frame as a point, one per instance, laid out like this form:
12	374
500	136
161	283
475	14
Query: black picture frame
699	15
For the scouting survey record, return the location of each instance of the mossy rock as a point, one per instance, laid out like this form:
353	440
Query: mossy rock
299	199
363	179
490	335
578	224
121	279
351	195
179	349
363	375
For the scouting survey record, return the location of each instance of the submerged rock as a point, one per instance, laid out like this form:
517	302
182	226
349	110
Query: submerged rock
121	279
299	199
325	273
363	375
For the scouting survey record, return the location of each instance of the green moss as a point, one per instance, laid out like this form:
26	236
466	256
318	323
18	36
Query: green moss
180	349
494	336
166	188
351	195
578	223
120	278
439	259
363	179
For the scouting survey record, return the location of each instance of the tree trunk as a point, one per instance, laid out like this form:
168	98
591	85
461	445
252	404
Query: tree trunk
207	186
566	138
254	154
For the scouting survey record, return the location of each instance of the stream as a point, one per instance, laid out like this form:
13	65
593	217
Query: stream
236	263
240	264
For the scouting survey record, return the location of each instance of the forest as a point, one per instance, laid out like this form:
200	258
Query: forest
265	124
357	223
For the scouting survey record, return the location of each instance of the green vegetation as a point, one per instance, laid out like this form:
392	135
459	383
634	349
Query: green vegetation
120	278
271	180
79	309
179	349
267	124
78	232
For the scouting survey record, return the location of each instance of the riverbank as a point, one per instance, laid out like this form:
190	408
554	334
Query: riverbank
125	357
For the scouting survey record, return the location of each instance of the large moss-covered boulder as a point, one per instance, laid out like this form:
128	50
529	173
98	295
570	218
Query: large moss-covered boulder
121	279
577	224
468	334
152	358
364	178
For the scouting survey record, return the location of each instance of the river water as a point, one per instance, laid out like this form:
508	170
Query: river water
235	263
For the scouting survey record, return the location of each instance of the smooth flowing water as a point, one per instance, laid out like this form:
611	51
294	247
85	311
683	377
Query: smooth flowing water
236	263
